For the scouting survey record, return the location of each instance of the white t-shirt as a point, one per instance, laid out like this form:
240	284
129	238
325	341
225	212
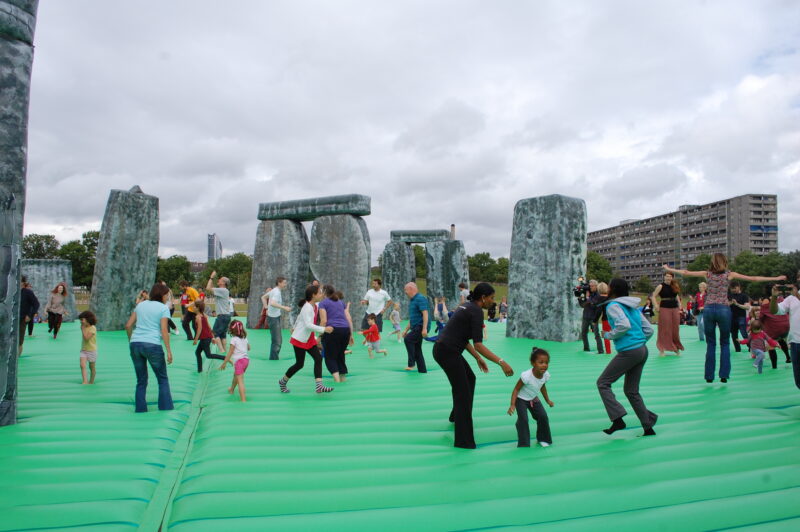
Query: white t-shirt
239	348
376	300
464	293
791	306
531	386
274	295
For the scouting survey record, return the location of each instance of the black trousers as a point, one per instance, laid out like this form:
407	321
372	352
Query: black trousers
587	324
300	357
413	341
335	344
773	354
186	321
462	384
204	346
54	322
536	408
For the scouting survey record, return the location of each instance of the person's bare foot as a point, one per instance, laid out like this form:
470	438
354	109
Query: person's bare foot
230	391
409	369
662	354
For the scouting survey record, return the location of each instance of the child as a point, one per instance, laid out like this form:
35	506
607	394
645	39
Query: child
237	355
203	335
526	397
88	344
440	314
373	337
602	289
394	317
759	343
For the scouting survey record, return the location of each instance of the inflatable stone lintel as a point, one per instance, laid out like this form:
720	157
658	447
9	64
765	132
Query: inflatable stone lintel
303	210
419	236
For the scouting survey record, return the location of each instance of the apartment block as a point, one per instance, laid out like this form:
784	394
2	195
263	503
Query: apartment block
637	248
214	247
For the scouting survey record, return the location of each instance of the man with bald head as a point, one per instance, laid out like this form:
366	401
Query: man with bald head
417	327
222	296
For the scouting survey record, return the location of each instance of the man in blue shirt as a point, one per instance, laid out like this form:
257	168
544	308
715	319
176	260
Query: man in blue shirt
417	327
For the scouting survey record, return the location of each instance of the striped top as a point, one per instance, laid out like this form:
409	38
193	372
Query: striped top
717	292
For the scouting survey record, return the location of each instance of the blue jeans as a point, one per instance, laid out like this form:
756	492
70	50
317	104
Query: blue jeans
738	325
276	334
701	327
717	315
141	354
794	350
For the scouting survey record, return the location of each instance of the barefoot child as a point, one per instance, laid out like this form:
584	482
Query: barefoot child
237	355
394	317
203	335
526	397
88	344
373	337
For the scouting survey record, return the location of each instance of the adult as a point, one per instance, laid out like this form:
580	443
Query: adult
717	312
697	308
630	331
333	312
55	308
224	308
740	306
417	327
776	327
189	311
150	321
791	306
463	293
303	340
274	307
465	326
669	315
589	319
28	308
377	301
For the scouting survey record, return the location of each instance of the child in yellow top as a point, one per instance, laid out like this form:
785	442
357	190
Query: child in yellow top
88	344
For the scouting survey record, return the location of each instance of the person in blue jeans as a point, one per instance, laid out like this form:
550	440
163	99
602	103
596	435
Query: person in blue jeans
147	328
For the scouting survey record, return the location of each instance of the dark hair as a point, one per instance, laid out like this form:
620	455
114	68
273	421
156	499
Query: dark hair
330	292
237	329
311	291
339	294
279	279
158	292
372	317
23	279
537	352
89	316
719	263
200	306
184	283
376	280
618	288
734	284
480	290
462	285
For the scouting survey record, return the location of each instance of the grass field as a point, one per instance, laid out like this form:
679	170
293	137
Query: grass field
376	454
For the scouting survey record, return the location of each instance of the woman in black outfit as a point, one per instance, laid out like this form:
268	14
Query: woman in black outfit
466	324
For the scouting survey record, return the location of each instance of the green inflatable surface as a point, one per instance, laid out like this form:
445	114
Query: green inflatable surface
376	454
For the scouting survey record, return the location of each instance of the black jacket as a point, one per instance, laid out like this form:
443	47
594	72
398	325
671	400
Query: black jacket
28	304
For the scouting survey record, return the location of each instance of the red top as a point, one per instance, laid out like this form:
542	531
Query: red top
372	334
312	339
774	326
205	331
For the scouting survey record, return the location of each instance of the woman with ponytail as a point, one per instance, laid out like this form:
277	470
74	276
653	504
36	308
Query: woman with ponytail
465	325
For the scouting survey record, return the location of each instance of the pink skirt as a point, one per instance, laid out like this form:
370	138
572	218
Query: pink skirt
669	337
241	366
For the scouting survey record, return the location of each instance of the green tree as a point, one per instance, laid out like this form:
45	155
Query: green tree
82	254
643	285
597	267
701	263
482	267
40	246
172	270
501	275
419	261
236	267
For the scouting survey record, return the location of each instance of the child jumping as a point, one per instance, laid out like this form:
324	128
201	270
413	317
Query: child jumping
759	343
373	337
203	335
526	397
237	355
88	344
394	317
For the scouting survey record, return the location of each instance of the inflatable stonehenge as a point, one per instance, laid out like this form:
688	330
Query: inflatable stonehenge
445	260
43	275
338	251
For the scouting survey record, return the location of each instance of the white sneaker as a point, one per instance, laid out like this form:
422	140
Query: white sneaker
544	444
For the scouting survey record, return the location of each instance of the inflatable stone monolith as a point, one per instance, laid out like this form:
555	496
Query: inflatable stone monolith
43	275
127	252
339	254
397	269
446	262
548	254
281	250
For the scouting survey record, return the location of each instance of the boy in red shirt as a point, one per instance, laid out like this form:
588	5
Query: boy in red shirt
373	337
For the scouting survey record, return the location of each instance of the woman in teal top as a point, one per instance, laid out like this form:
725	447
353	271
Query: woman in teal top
630	331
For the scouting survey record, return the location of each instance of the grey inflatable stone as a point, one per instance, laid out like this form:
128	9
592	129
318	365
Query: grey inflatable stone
309	209
281	250
420	236
43	275
126	257
397	269
548	254
17	23
339	254
446	261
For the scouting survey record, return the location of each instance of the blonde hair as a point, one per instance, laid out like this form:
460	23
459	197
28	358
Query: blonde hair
602	289
719	263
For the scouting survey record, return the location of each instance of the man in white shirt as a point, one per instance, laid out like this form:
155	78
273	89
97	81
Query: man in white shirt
378	302
274	306
791	306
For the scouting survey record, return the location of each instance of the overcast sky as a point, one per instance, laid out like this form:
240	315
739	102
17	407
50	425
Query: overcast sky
442	112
